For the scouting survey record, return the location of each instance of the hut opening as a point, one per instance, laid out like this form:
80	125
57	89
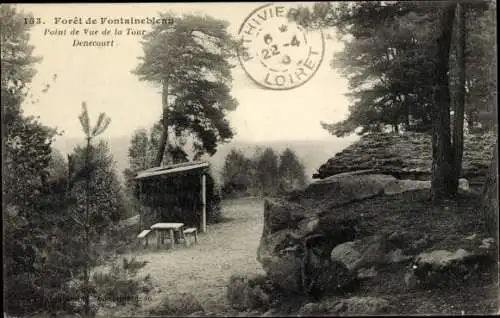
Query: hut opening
175	193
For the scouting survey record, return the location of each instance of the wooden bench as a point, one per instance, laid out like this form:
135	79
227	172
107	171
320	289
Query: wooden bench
190	232
144	236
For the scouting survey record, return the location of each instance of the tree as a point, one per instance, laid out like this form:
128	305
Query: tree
30	205
237	173
138	151
459	109
189	59
393	62
489	200
17	62
442	151
85	213
387	59
480	66
290	171
267	171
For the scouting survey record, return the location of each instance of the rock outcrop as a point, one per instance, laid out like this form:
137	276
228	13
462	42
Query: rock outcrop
408	156
300	232
364	257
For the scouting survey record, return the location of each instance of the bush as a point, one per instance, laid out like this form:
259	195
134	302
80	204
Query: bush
248	293
120	284
177	305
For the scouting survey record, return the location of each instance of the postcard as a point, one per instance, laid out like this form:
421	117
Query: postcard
250	159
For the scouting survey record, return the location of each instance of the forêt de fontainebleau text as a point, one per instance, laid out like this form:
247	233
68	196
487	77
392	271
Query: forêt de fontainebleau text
97	31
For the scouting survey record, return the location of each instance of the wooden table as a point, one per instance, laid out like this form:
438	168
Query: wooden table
161	228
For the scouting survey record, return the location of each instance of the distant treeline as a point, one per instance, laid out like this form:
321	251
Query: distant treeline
264	173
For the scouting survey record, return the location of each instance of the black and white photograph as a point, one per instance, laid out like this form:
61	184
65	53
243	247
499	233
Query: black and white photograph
250	159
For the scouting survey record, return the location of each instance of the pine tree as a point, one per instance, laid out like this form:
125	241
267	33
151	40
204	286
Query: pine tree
189	60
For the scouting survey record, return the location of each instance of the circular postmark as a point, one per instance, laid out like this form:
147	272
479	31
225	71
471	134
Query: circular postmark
277	53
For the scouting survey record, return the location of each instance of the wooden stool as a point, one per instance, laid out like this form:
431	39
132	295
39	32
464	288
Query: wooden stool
192	231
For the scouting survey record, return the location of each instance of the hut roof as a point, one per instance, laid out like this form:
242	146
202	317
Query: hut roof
171	169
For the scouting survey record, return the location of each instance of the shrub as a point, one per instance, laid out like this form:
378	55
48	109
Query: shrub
248	293
177	305
121	284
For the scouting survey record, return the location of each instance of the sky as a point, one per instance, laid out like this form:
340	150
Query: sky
102	78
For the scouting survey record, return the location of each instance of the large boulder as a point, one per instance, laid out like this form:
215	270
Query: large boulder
301	230
408	156
299	233
344	188
363	257
400	186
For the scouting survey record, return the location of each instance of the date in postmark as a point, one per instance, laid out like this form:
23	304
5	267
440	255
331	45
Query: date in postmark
277	53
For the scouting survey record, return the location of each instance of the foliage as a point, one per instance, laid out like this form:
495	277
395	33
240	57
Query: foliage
118	284
181	304
17	62
388	59
404	73
267	171
89	181
43	252
247	293
291	171
382	59
105	193
35	263
144	144
238	173
481	60
121	284
189	58
263	173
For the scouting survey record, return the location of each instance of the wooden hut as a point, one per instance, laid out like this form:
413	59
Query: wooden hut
175	191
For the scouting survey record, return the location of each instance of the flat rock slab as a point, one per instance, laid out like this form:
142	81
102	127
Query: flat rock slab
445	268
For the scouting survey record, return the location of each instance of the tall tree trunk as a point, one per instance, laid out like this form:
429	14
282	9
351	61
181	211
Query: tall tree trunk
489	201
458	125
442	171
164	135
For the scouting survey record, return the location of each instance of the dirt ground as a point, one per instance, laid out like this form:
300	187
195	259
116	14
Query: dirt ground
230	247
203	269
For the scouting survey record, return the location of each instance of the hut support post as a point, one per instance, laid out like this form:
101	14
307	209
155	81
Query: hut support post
141	209
203	203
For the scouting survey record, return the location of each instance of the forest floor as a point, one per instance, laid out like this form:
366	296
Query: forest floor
447	225
230	247
203	269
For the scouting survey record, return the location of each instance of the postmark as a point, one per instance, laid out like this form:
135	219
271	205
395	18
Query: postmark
277	53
